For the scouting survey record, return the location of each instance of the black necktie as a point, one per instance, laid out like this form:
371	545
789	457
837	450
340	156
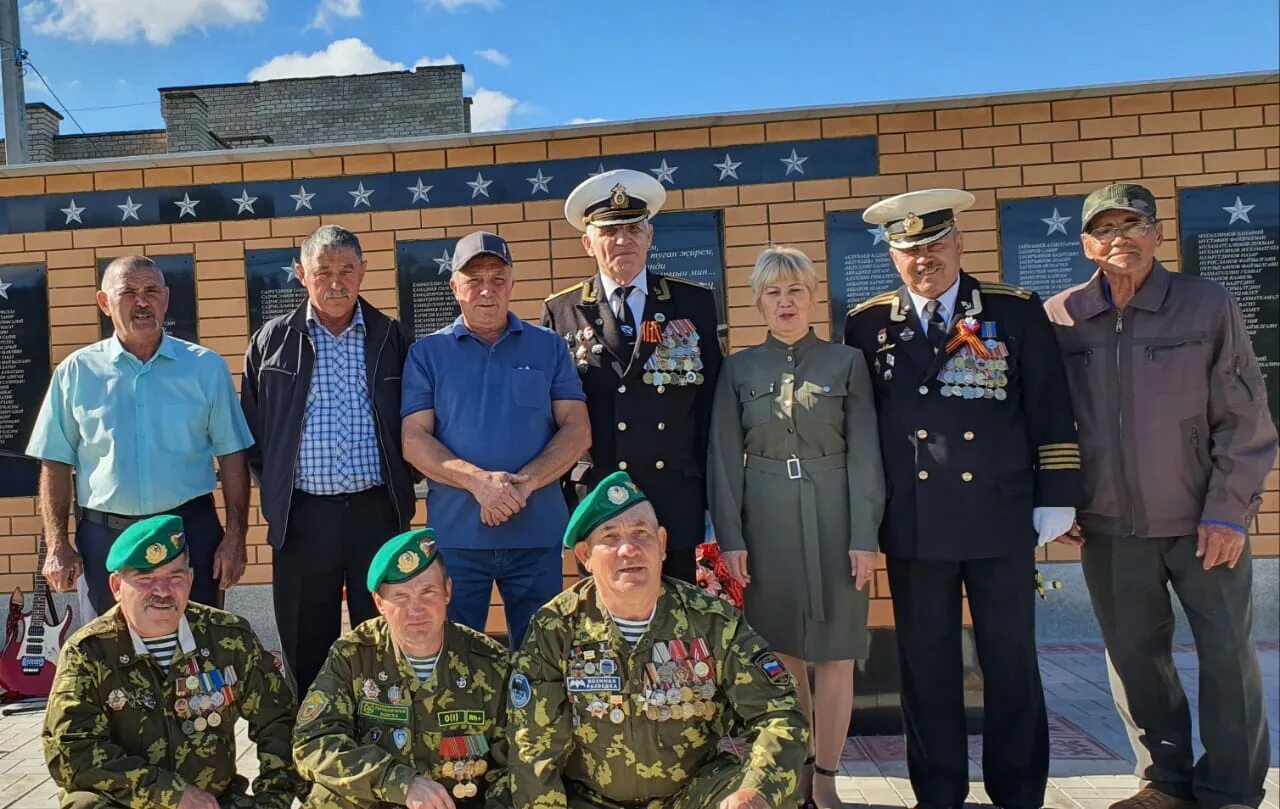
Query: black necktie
626	323
935	328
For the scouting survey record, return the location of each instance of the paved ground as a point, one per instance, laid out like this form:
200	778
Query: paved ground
1091	764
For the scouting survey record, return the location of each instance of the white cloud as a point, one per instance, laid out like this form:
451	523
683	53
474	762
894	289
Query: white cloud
576	121
74	84
436	61
333	8
458	5
343	57
495	56
490	110
156	21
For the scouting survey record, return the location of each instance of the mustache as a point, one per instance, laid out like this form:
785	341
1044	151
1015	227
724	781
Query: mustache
333	294
160	603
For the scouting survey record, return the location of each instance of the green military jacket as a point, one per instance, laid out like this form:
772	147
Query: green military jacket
118	725
585	717
368	727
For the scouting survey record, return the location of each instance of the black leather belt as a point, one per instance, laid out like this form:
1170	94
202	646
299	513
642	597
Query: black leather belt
119	522
339	498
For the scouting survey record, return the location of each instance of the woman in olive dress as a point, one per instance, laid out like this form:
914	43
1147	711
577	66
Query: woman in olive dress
796	490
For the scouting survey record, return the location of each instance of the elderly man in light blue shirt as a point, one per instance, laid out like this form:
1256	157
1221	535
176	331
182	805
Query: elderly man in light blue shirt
140	416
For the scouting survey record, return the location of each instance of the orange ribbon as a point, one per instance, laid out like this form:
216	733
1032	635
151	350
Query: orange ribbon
650	332
967	335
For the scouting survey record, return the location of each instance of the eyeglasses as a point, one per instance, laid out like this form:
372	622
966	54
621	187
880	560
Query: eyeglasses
1129	230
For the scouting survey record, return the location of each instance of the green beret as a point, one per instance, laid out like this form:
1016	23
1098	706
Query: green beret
614	495
402	557
148	544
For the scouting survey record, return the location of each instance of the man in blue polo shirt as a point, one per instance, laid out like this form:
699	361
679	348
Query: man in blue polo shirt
493	414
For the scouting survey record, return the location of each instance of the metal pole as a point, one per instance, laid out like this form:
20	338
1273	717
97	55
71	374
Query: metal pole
15	99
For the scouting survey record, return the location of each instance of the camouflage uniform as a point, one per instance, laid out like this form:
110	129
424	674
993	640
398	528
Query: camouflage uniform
569	753
116	729
348	738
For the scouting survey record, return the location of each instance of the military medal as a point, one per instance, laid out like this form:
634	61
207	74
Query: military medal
117	699
371	690
215	719
200	724
906	334
616	715
393	695
188	727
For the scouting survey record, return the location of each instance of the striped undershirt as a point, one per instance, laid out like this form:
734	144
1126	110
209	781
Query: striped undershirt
162	648
632	631
423	666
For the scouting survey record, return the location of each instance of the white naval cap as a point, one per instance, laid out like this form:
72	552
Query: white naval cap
616	197
918	217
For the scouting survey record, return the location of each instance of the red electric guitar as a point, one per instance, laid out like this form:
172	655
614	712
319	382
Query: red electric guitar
30	654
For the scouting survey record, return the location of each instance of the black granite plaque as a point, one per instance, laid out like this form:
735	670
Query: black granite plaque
1232	235
1040	244
272	286
858	264
689	245
422	277
181	319
24	368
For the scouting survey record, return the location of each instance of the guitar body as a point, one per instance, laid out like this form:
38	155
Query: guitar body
30	656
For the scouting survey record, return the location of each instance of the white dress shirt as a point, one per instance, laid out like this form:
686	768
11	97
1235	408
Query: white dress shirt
639	289
946	305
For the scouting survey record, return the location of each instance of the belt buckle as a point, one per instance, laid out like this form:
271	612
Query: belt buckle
793	468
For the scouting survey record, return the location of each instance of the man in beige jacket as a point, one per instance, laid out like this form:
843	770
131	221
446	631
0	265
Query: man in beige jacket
1175	443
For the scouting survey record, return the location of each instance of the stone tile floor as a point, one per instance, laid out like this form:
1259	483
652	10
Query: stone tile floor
1091	760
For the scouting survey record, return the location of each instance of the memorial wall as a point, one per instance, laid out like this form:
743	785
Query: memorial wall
225	227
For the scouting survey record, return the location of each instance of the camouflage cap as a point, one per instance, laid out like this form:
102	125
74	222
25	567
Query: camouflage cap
614	495
1118	197
148	544
402	557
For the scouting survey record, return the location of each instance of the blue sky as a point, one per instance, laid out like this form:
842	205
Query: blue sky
552	62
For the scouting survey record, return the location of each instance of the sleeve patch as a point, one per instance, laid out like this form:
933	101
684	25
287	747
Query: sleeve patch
521	692
772	668
312	707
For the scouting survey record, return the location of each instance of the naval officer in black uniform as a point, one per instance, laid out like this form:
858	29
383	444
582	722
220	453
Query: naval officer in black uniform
647	349
981	464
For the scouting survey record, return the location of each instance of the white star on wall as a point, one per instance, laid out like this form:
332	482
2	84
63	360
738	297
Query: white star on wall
664	172
728	168
878	235
4	289
419	191
361	195
444	264
129	210
599	170
187	206
302	199
1056	222
1239	212
291	273
539	183
73	213
244	202
479	186
794	163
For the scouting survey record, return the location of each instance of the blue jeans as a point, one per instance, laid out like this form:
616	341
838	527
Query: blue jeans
527	578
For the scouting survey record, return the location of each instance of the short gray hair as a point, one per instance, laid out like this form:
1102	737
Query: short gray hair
124	264
329	237
593	227
778	262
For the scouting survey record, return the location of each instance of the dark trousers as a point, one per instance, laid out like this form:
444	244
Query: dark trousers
1015	739
203	530
1129	580
526	578
328	544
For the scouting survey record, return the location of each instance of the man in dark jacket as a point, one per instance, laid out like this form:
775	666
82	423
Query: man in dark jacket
321	393
1176	442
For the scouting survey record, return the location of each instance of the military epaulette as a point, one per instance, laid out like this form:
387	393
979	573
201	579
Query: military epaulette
998	288
566	291
878	300
482	644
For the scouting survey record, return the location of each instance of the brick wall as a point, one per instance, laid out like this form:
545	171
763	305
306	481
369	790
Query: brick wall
1003	148
426	101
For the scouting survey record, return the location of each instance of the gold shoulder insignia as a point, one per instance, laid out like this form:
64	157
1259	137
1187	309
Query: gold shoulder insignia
567	290
879	300
1000	288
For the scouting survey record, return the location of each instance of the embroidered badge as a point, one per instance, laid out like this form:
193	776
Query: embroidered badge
772	668
520	691
312	706
382	712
